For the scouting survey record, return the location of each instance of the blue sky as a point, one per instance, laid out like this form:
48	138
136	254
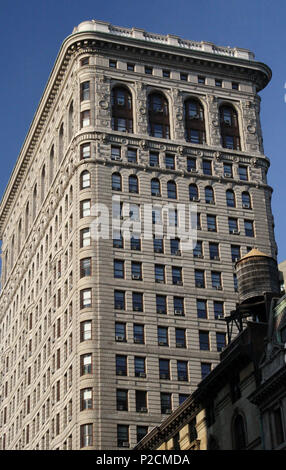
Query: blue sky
32	31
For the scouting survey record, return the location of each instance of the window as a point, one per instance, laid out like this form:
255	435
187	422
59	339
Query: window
205	369
116	182
242	173
122	113
182	398
158	245
136	270
214	251
207	167
220	341
115	153
161	304
218	309
202	311
229	128
218	82
235	86
249	229
85	364
86	399
141	432
194	122
130	67
85	118
85	298
182	370
138	334
85	208
211	223
163	336
201	80
239	433
86	435
85	151
204	340
191	164
141	401
122	400
155	187
166	73
230	198
84	91
179	306
135	243
172	190
246	201
160	273
184	77
120	332
170	162
233	226
227	170
132	155
177	278
122	435
235	283
166	403
164	369
175	246
235	253
117	240
84	61
137	301
158	113
216	280
278	426
133	184
85	267
85	237
148	70
118	266
193	192
209	195
139	367
112	64
154	159
180	334
199	278
119	300
85	330
121	364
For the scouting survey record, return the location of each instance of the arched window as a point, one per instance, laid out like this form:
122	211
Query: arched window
71	117
12	251
133	184
172	190
52	163
246	201
193	192
239	433
43	183
122	114
230	198
194	122
84	179
229	128
155	187
27	219
19	236
158	114
61	142
116	182
35	199
209	195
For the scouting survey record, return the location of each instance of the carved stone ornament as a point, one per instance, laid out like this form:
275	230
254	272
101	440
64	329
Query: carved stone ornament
104	138
217	156
251	129
143	144
124	141
103	104
163	147
142	110
254	162
179	116
180	150
215	123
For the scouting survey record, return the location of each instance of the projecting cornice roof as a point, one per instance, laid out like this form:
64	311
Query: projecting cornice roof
102	37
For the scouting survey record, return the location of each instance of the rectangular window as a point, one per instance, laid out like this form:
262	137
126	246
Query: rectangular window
122	400
141	432
166	73
184	77
117	240
84	91
84	61
112	64
85	298
233	226
235	86
85	208
141	401
160	273
121	365
86	435
191	164
132	155
249	229
85	330
139	367
198	250
205	369
154	159
202	311
148	70
170	162
220	341
204	340
86	399
85	118
163	336
175	247
179	306
85	267
216	280
227	170
200	278
235	253
85	151
201	80
180	334
214	251
115	153
166	403
235	284
218	82
182	398
242	173
85	364
218	310
138	334
161	304
158	245
118	269
211	223
136	271
207	167
120	332
164	369
130	67
85	238
135	243
123	435
182	370
119	300
177	277
137	301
